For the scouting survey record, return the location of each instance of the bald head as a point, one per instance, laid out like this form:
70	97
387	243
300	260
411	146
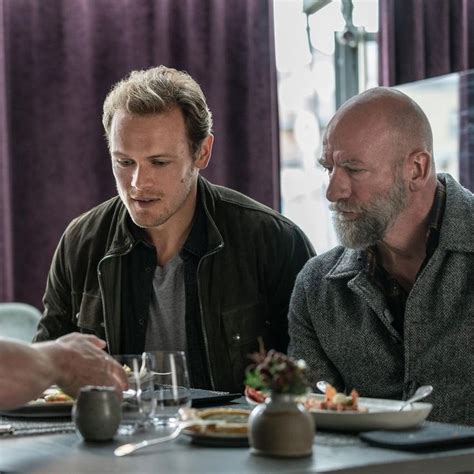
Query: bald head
393	114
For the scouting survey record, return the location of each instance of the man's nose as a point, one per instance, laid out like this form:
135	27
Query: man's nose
339	186
141	177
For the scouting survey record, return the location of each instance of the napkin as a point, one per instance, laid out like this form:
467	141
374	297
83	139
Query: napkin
428	435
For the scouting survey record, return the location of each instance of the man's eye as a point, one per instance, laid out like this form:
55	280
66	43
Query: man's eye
325	165
124	163
160	163
354	170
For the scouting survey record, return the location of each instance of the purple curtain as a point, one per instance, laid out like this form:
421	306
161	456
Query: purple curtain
58	59
424	38
6	251
419	39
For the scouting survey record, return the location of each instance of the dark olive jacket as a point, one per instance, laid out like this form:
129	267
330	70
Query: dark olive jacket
244	280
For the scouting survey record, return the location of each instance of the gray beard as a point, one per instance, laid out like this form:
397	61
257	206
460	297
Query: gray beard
376	218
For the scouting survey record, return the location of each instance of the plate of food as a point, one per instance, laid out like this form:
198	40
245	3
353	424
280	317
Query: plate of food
53	403
337	411
230	428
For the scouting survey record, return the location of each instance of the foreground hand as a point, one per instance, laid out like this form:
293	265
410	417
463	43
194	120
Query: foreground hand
79	359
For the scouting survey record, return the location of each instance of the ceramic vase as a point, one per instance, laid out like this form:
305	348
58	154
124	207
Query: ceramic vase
97	413
281	427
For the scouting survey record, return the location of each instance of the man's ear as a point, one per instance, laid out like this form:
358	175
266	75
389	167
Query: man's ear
421	163
204	153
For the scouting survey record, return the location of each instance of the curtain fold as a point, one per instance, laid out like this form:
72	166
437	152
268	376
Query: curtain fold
58	59
6	250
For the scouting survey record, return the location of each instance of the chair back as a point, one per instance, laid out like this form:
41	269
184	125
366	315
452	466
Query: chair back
18	320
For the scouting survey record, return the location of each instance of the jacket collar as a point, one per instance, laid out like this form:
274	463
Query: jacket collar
349	264
457	230
196	243
126	234
209	199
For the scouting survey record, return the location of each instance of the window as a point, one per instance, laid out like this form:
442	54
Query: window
307	100
433	95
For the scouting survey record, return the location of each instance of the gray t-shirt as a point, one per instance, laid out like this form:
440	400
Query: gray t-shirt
166	323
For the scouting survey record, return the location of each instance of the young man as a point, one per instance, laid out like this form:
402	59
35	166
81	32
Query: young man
174	262
392	308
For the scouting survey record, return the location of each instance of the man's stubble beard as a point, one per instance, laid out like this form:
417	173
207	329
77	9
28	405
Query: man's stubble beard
166	213
376	217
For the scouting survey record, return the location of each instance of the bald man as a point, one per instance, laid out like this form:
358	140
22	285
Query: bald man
392	307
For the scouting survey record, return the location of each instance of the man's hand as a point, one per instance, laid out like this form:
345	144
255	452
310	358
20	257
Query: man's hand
79	359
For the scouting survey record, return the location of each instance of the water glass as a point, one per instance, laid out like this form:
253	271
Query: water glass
169	374
158	387
137	410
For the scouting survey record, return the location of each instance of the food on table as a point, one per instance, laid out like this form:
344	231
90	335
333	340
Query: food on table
58	397
53	395
259	396
335	401
227	420
255	395
142	373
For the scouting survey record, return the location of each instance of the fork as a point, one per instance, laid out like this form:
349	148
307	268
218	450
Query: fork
130	448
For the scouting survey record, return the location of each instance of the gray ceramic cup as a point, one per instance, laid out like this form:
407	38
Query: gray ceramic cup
97	413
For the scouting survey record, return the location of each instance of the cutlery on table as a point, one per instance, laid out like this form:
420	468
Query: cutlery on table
322	386
420	393
130	448
6	429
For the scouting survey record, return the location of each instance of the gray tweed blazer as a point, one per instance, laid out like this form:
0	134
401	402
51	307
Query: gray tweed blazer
340	325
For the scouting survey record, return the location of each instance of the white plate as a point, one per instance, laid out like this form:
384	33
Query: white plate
231	426
382	415
41	410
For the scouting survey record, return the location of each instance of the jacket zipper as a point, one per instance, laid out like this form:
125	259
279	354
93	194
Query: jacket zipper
101	287
203	322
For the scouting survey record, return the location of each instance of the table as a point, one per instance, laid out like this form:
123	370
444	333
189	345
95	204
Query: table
333	453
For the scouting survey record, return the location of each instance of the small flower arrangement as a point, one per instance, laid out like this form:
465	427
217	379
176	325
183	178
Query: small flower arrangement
277	373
